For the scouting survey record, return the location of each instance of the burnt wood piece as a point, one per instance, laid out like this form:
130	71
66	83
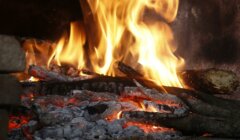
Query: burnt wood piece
44	19
207	110
208	80
128	70
190	124
197	101
99	84
211	80
48	75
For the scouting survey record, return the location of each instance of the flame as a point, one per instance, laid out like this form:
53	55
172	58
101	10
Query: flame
127	36
73	52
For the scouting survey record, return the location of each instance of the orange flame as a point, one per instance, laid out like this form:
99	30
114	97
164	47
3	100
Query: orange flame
151	44
73	52
127	35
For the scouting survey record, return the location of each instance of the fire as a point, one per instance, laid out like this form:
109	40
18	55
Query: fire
127	35
148	128
71	52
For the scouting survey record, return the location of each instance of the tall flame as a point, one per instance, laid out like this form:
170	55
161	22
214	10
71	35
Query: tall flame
71	52
126	36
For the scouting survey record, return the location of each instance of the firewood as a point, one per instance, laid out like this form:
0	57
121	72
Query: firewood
211	80
200	102
98	84
190	124
48	75
214	115
128	70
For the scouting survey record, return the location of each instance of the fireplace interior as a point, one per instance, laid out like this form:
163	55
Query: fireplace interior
130	69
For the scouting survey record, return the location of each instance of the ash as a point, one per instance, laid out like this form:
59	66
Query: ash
83	115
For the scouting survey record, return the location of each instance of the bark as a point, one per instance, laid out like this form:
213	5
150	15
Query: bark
211	80
208	113
128	70
191	124
48	75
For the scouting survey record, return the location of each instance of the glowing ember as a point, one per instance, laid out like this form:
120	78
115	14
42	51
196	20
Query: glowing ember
148	128
126	35
16	122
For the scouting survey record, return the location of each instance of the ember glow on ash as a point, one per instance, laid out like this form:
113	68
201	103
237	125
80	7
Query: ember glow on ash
16	122
148	128
126	35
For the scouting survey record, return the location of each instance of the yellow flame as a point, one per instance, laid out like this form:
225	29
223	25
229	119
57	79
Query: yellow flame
128	35
72	52
151	44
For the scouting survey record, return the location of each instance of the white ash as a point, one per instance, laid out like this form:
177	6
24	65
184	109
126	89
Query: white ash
70	117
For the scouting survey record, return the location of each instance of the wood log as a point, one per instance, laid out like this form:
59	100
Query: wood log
213	114
100	84
128	70
197	101
191	124
211	80
48	75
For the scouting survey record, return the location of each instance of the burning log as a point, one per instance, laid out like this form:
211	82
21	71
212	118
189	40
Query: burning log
48	75
215	115
99	84
128	70
192	123
211	80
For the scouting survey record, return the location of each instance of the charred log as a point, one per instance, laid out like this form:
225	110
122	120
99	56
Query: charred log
211	80
99	84
128	70
48	75
191	124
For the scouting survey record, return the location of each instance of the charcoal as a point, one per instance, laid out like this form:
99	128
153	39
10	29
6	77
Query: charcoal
76	111
37	138
102	122
115	127
51	139
31	126
97	133
56	117
131	131
76	133
50	132
166	135
81	122
67	131
16	134
77	138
